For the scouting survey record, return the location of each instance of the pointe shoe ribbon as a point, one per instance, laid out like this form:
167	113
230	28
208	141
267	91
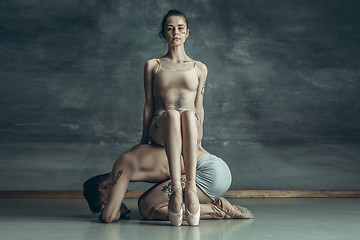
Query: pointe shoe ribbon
176	218
192	219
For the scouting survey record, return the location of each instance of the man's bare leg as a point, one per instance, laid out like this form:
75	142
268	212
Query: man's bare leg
153	205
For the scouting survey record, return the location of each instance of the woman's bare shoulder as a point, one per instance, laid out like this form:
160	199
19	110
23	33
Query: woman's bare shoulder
151	64
152	61
201	66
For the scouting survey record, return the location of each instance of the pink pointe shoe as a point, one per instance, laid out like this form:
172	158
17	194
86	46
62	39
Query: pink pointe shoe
176	218
192	219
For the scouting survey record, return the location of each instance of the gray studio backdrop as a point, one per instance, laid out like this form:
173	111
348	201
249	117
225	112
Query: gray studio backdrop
282	102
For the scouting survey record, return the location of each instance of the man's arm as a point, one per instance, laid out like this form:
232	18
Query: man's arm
111	209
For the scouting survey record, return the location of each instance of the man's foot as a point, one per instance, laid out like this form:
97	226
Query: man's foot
232	211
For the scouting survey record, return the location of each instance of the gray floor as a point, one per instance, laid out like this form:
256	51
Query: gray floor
274	219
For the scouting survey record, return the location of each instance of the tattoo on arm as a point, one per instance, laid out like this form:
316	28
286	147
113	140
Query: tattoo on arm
203	91
117	177
197	116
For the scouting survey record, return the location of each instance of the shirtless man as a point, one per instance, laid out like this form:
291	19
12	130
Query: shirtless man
149	163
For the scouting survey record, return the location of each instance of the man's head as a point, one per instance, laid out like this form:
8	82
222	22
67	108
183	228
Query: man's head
94	191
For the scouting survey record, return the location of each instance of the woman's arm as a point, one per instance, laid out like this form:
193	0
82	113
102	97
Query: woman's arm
199	105
149	102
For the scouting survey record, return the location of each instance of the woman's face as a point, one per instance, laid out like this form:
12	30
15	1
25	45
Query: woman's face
176	31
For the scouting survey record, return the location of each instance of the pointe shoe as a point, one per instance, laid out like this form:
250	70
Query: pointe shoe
176	218
192	219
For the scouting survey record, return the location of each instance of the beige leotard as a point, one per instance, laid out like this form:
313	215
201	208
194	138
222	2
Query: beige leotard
174	89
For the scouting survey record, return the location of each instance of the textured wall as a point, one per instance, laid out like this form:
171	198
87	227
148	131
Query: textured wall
282	106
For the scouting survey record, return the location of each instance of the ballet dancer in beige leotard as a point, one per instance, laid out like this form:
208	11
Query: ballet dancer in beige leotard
173	113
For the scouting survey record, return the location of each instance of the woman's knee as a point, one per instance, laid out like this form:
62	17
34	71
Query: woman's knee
172	115
189	123
189	116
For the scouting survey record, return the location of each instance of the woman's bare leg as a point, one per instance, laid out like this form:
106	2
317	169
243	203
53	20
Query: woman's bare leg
189	140
167	132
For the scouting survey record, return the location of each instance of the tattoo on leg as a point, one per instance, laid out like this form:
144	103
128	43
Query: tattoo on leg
167	188
117	177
